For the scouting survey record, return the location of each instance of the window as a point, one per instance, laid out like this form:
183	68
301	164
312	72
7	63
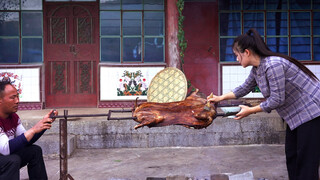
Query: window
290	27
21	31
132	31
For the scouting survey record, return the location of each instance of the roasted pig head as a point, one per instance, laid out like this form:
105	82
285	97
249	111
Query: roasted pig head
189	113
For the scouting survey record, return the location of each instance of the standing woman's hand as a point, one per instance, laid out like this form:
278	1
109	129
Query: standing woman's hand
214	98
246	111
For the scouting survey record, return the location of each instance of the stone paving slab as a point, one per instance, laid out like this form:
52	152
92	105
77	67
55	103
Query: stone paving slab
264	161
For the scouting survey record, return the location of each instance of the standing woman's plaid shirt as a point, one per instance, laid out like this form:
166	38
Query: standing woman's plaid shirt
287	89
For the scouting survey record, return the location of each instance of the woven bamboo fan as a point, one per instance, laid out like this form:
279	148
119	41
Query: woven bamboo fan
169	85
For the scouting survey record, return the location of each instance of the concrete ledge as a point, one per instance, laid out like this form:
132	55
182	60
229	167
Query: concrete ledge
260	128
50	144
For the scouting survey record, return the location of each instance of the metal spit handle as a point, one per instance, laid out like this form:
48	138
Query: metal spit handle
96	115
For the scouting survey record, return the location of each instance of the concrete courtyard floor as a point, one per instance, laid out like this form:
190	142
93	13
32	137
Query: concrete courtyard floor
264	161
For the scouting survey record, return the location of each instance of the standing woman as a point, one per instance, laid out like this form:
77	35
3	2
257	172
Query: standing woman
292	90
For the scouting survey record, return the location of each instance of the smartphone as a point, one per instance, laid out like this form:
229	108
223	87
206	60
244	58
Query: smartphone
52	114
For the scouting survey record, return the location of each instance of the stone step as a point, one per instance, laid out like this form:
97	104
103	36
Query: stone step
50	144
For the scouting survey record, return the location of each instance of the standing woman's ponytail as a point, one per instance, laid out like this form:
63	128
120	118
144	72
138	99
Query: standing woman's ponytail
252	40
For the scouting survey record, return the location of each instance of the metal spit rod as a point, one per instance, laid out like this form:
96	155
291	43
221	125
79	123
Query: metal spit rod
96	115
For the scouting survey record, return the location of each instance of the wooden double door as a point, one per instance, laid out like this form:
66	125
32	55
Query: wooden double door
71	53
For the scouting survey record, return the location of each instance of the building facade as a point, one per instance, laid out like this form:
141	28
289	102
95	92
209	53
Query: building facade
104	53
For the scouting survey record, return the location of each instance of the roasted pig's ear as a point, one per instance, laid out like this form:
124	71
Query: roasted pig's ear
192	93
136	103
195	92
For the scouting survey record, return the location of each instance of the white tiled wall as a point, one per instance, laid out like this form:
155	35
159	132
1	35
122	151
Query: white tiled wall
233	76
315	69
30	83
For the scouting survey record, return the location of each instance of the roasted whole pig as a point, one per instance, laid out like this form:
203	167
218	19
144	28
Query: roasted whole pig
189	113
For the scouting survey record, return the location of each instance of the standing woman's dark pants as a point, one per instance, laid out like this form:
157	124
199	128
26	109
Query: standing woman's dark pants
303	151
31	156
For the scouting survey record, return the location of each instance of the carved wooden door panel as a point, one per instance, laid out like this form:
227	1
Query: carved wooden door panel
71	54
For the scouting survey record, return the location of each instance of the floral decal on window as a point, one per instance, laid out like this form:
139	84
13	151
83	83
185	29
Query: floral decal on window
132	84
